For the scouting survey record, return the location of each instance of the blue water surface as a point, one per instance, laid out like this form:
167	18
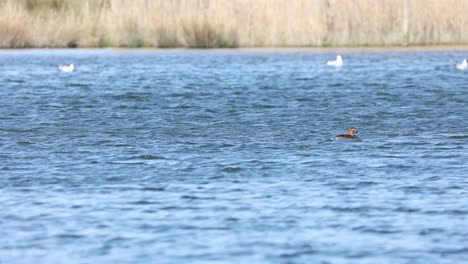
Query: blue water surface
229	157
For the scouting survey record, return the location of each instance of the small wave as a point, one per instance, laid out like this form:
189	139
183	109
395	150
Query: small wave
14	130
449	212
303	99
182	95
151	157
115	179
116	239
303	79
131	97
413	189
183	106
122	145
357	209
15	81
215	177
366	183
263	106
133	107
77	85
227	145
193	197
337	85
154	189
179	208
375	84
459	137
208	110
24	97
127	163
70	236
431	231
406	210
264	87
24	143
231	169
299	253
144	202
454	251
366	229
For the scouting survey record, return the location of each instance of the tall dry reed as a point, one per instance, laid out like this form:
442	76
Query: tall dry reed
438	22
230	23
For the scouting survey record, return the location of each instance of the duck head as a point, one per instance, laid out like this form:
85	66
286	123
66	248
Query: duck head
352	131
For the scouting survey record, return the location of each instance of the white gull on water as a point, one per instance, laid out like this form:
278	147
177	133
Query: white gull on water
65	68
336	63
462	66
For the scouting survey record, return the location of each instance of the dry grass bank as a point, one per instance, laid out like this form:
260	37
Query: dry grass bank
230	23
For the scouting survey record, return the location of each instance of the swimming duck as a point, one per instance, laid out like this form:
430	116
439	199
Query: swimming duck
462	66
66	68
350	135
336	63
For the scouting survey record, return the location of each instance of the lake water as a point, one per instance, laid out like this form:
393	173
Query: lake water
229	157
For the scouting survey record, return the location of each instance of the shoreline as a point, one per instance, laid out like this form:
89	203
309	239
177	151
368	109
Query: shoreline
421	48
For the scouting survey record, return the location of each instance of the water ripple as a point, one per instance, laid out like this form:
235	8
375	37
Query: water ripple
230	157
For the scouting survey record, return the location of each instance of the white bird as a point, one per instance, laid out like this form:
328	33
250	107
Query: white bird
66	68
462	66
336	63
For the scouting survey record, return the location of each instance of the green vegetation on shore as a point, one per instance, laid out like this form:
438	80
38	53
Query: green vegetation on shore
231	23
